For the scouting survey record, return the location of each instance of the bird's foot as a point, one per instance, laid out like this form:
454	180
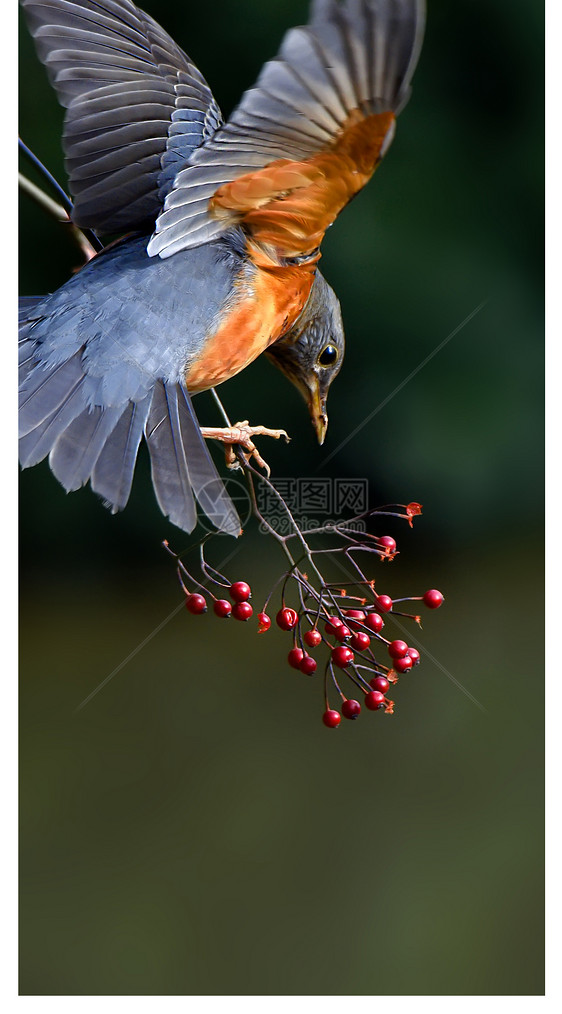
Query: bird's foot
241	435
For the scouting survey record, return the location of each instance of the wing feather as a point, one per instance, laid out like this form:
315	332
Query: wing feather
327	104
182	468
112	475
136	106
83	403
75	452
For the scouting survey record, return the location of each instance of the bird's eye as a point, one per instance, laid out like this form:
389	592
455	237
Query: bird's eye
328	356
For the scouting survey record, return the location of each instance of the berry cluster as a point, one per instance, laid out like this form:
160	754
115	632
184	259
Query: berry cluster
354	639
345	623
239	608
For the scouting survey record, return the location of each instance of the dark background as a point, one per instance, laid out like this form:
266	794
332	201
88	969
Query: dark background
195	829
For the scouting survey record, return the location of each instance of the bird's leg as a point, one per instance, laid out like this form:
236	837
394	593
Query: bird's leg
241	434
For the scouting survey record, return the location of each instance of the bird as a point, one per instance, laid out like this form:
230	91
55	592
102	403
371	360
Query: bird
219	226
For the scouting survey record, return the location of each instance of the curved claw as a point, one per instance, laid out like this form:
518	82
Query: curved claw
241	435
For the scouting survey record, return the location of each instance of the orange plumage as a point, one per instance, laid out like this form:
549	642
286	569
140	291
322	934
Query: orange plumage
285	209
265	307
289	205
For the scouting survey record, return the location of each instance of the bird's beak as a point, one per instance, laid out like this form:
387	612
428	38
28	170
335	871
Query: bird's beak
317	409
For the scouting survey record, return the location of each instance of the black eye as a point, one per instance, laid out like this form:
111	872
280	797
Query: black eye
328	356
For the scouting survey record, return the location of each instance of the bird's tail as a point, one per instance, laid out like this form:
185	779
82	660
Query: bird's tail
98	443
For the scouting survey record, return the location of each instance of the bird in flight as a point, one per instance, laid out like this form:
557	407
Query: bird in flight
220	224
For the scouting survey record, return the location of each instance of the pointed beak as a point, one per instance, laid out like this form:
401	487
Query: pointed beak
317	409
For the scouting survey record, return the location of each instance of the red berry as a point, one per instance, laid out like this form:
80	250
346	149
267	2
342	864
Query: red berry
380	683
342	656
196	604
351	709
384	603
222	608
433	599
374	700
286	619
343	632
374	622
397	649
332	625
360	641
295	657
240	591
355	618
331	718
414	655
264	622
242	610
308	665
402	664
313	638
388	543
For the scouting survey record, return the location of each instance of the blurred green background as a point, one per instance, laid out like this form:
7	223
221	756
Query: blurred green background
195	829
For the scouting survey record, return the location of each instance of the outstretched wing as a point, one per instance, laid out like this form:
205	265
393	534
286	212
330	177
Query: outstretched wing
306	138
137	107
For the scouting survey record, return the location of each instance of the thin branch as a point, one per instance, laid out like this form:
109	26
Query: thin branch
40	197
47	175
57	211
86	238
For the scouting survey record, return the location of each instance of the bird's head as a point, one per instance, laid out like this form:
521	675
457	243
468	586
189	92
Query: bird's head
311	353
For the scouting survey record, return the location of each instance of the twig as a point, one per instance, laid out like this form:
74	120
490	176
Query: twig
85	238
46	174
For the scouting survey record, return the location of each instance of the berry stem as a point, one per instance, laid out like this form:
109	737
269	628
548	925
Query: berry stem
206	568
317	598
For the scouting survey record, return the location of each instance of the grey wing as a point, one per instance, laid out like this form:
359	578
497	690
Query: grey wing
353	59
182	470
93	381
137	107
100	443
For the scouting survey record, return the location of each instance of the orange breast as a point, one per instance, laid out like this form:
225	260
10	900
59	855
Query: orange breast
265	308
